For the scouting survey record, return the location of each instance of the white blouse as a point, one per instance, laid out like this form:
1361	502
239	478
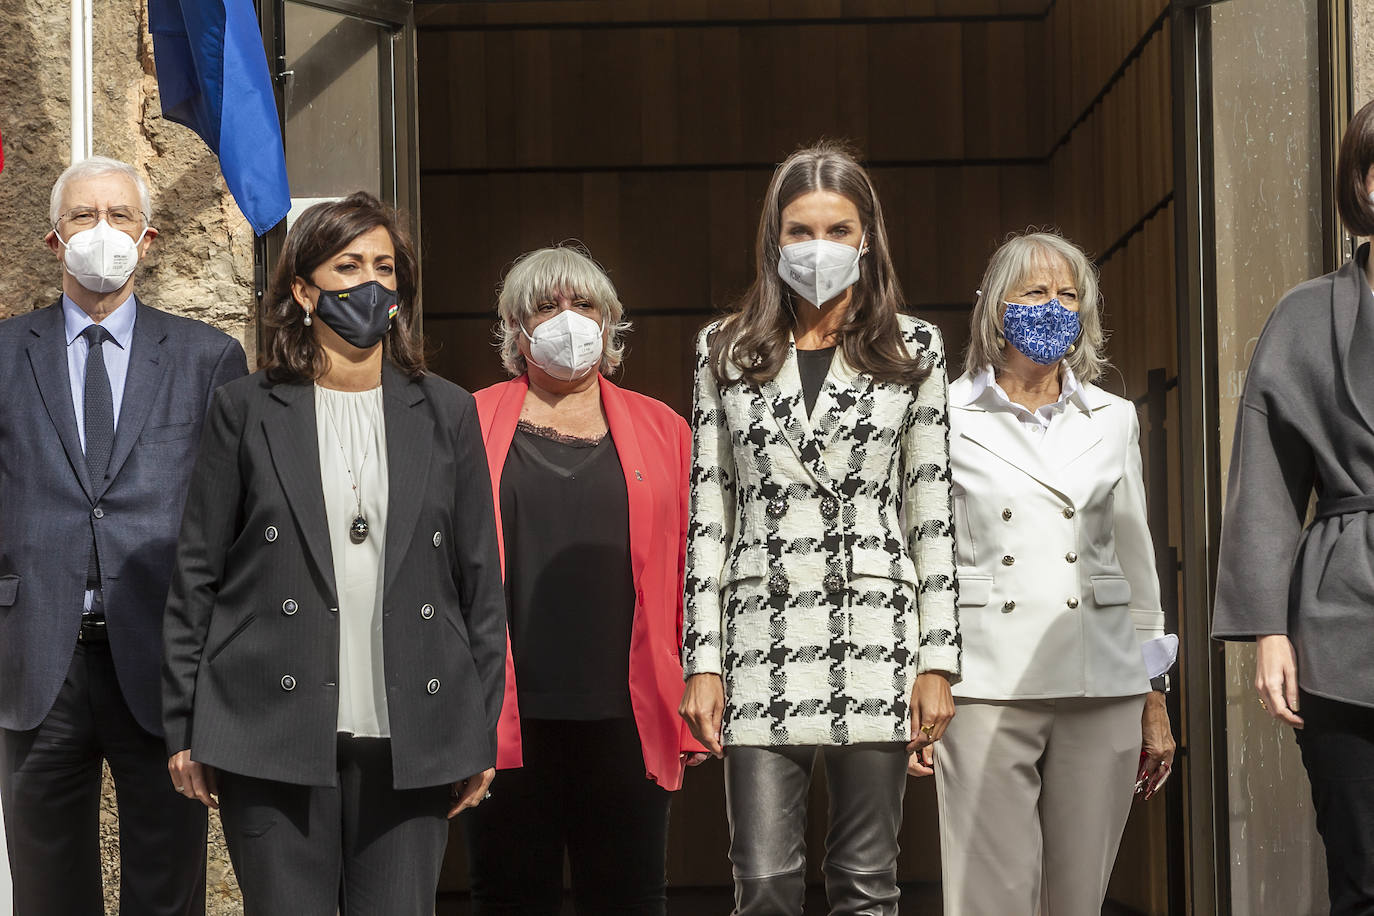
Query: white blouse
352	436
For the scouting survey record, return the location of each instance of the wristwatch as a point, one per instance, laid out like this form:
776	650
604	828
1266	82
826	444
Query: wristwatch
1160	683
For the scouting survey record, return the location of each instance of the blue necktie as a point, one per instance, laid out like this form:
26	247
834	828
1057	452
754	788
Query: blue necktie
98	422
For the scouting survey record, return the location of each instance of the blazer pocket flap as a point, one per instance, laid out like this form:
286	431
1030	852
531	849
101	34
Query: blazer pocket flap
974	590
750	563
9	590
168	433
880	564
1110	590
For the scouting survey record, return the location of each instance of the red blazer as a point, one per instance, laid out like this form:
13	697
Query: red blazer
655	450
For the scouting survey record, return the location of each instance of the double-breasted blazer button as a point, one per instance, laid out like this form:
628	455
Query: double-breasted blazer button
1008	560
777	507
1071	557
288	682
1006	515
833	581
1068	511
438	539
1072	602
1009	606
830	507
427	611
289	607
270	534
432	686
777	584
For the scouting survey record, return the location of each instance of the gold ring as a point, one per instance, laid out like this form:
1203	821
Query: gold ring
928	729
1264	705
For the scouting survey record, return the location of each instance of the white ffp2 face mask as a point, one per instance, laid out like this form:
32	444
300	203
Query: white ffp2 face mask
819	269
101	258
567	346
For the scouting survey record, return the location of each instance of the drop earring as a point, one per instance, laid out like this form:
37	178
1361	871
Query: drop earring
1001	342
307	318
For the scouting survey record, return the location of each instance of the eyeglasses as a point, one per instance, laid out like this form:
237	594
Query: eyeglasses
121	218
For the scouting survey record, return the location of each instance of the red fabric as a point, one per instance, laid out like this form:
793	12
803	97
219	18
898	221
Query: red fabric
2	154
655	450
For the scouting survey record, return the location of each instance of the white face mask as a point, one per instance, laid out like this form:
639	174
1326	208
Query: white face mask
819	269
567	346
101	259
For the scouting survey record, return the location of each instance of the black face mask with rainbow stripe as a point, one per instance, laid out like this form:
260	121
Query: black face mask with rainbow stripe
361	314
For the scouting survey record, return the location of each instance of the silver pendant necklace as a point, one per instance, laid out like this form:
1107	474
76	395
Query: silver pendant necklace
358	528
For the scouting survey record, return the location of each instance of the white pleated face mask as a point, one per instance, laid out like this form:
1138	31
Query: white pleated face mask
819	269
567	346
101	258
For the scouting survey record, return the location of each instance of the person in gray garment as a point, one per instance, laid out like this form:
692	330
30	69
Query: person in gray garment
1307	423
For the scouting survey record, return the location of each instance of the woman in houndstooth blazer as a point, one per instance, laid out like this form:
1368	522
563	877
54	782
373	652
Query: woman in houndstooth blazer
819	609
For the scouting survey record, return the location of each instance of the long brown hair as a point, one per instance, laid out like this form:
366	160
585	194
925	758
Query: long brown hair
292	353
752	342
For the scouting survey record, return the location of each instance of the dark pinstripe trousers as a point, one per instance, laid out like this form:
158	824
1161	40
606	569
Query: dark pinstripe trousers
360	848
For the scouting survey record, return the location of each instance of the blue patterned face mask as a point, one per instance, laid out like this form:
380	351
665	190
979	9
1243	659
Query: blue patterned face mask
1043	332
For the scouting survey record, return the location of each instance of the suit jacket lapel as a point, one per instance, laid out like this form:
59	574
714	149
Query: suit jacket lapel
409	442
293	441
997	431
844	388
48	359
147	366
1070	436
1352	314
638	489
783	397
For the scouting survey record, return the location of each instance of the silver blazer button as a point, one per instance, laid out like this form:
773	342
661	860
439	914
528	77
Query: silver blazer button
288	682
432	686
427	611
438	539
270	534
289	606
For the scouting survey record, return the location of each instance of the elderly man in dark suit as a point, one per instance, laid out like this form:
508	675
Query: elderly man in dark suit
103	400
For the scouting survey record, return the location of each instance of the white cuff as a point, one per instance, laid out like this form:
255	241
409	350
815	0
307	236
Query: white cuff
1160	654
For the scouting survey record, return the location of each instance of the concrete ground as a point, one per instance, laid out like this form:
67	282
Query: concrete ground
917	900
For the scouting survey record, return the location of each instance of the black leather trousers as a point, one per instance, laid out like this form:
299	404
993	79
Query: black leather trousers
766	791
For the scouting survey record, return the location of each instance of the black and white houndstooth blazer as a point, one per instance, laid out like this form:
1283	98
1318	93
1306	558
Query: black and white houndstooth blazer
820	552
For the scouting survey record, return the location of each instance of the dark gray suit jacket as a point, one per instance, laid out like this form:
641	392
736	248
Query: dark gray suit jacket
1307	424
47	502
251	669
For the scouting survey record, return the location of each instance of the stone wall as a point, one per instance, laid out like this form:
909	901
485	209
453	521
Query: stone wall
201	265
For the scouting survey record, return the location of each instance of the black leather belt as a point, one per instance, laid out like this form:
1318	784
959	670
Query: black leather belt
92	629
1326	508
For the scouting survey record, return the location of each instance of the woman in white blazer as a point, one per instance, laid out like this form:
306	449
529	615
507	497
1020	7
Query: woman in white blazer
819	607
1058	600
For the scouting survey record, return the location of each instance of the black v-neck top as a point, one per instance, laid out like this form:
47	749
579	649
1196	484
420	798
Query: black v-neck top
813	365
565	520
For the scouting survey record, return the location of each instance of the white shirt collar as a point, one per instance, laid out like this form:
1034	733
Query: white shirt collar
120	322
986	380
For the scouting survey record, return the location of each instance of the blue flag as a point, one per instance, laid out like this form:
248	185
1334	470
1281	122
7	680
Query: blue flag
212	75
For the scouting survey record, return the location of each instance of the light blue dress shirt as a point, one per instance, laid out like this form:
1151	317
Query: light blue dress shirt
120	325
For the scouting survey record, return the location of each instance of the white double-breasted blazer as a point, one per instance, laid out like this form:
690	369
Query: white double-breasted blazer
1057	583
820	566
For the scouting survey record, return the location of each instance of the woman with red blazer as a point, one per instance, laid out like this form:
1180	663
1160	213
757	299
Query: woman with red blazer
590	486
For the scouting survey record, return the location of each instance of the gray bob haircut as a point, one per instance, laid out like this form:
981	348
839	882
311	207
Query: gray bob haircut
1018	256
539	275
89	168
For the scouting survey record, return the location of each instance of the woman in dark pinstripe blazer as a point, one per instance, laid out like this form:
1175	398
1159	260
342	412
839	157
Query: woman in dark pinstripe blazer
335	634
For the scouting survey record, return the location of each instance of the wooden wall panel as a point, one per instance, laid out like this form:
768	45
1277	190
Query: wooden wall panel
652	142
716	95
